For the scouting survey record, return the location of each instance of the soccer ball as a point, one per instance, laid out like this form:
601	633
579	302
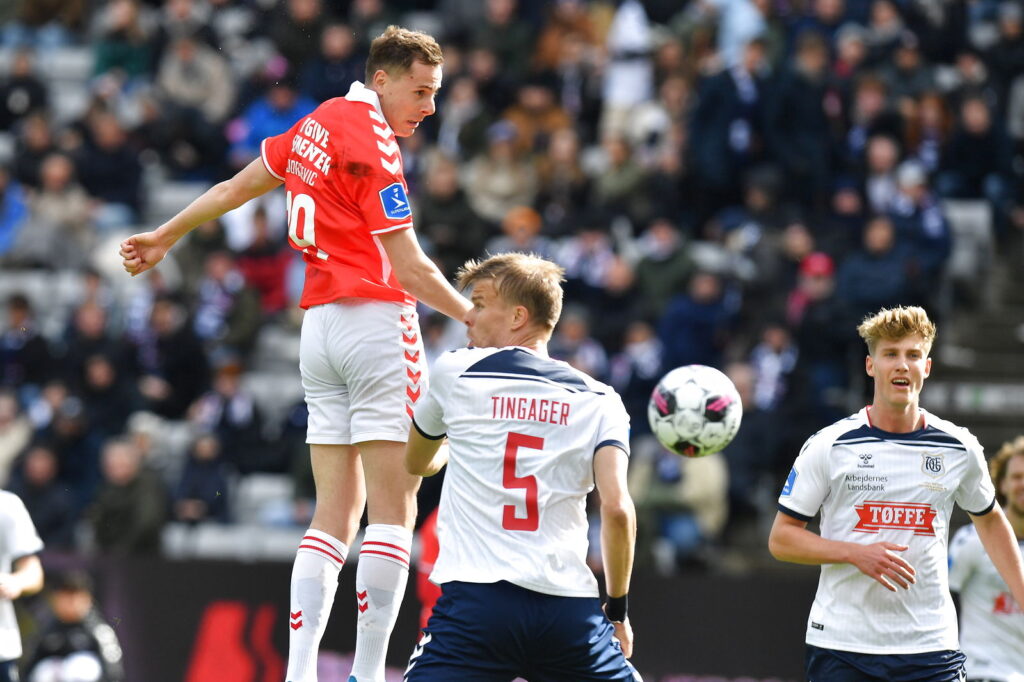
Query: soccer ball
695	411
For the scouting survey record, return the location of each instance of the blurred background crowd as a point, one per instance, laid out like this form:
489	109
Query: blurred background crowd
727	182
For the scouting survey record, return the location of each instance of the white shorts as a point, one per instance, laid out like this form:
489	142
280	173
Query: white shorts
363	369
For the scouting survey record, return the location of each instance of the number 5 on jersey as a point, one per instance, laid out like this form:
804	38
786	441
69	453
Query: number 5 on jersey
509	520
302	208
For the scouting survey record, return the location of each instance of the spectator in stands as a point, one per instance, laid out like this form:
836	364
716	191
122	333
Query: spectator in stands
196	94
183	19
908	76
696	324
510	38
445	219
45	24
869	115
369	18
726	130
77	640
59	233
536	114
230	412
818	319
88	336
270	115
923	229
174	369
883	155
227	312
34	144
628	70
885	29
928	130
264	266
329	73
130	508
563	184
294	29
77	447
13	212
573	343
664	268
111	171
26	360
875	276
796	125
634	372
46	497
21	91
977	161
521	232
108	394
15	432
463	120
500	179
620	187
195	249
202	493
1006	57
122	49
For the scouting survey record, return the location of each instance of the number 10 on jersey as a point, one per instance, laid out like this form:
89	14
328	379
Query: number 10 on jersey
302	208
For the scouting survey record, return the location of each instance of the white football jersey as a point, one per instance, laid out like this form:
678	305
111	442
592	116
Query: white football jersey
991	622
18	538
874	486
522	432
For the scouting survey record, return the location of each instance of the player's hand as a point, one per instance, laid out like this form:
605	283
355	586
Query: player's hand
624	633
881	562
140	252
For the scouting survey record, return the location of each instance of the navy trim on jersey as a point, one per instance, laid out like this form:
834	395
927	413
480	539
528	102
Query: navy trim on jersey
616	443
796	515
425	434
516	363
928	437
990	507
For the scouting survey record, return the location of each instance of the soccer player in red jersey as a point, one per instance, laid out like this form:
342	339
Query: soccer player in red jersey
361	355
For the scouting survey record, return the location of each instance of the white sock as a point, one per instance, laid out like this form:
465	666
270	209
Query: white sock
381	575
318	562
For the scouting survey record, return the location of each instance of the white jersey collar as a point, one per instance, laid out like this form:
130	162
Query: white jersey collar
358	92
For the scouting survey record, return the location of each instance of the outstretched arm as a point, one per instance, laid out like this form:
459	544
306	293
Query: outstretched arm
618	534
420	277
1001	545
144	250
791	541
424	456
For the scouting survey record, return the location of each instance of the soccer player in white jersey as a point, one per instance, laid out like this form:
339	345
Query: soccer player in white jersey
885	480
528	439
21	574
361	355
991	623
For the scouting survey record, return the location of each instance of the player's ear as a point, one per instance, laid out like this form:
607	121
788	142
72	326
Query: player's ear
927	367
520	317
869	365
380	78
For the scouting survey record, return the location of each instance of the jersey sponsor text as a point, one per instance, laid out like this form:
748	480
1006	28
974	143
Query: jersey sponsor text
873	516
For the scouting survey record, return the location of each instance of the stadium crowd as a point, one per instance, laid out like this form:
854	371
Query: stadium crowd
727	182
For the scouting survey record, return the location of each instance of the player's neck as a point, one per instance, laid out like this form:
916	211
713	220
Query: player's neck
902	419
1016	521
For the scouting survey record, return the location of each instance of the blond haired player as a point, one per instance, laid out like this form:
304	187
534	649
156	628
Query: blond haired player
361	356
885	480
991	622
529	437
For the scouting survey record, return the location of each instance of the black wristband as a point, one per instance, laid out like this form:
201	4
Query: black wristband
615	608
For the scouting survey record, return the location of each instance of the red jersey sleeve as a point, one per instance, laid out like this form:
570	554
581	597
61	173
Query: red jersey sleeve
274	151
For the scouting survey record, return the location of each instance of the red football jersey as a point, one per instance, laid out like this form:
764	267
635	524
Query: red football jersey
342	171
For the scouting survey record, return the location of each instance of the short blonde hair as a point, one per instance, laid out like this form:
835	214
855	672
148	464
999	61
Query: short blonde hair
1001	462
397	48
521	279
896	323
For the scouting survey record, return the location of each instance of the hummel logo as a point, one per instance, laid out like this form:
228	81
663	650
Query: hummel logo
418	651
296	619
363	603
865	461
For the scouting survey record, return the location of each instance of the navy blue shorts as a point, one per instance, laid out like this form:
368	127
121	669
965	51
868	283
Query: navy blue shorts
9	671
495	632
832	665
